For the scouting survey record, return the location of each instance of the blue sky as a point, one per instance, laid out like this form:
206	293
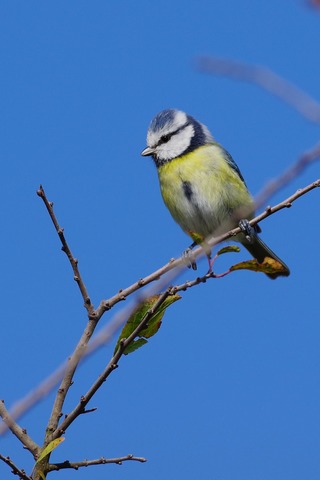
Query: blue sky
230	387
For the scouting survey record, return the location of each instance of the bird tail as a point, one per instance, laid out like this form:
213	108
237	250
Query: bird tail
259	250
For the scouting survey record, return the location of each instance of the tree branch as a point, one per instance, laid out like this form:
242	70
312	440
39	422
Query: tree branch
108	331
112	365
98	461
93	320
308	157
36	395
69	371
174	263
15	470
265	78
66	249
19	432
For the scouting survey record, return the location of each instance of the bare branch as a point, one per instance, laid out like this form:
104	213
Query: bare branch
265	78
72	364
287	203
26	403
91	325
123	294
267	212
109	330
305	159
98	461
15	470
112	365
19	432
66	249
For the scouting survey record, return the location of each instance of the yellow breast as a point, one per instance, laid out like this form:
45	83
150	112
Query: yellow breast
203	193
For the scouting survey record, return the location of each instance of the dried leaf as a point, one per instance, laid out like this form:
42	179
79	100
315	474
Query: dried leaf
269	266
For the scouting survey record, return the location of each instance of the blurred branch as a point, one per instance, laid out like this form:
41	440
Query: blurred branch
286	177
112	365
82	352
19	432
98	461
106	333
36	395
265	78
15	470
313	3
285	203
273	83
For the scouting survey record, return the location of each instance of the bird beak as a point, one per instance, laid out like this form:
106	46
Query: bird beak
147	152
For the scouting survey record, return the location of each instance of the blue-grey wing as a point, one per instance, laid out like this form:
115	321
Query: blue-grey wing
235	167
232	164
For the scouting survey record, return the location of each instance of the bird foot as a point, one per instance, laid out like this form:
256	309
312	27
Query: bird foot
189	259
247	230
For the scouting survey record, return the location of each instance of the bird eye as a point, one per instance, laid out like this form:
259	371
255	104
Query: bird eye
164	139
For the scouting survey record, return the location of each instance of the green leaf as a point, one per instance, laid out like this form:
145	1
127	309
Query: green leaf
51	446
228	249
135	345
269	265
152	326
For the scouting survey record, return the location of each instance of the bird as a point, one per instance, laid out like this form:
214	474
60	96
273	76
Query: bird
202	186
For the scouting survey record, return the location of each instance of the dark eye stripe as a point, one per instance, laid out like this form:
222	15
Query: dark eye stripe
167	137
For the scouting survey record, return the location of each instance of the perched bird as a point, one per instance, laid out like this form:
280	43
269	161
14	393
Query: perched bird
201	184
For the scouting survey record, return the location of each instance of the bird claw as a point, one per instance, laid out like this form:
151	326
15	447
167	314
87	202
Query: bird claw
188	258
247	230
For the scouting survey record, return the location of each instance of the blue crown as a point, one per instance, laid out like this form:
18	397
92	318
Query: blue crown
162	118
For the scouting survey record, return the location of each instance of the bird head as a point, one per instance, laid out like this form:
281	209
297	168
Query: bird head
173	133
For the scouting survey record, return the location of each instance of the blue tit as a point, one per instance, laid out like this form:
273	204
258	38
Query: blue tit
201	184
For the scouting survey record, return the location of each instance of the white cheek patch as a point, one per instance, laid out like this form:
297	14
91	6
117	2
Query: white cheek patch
177	144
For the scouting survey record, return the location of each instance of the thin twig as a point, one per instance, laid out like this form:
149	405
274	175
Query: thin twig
286	203
142	282
104	334
174	263
265	78
15	470
109	330
42	390
91	325
19	432
98	461
66	249
112	365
